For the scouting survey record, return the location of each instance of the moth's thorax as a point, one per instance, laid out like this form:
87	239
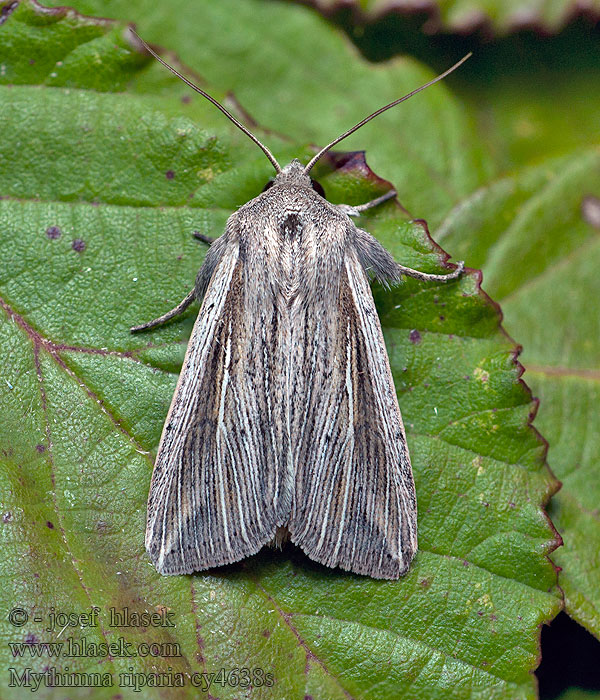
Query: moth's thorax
293	235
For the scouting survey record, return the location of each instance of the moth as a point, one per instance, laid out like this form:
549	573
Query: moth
285	422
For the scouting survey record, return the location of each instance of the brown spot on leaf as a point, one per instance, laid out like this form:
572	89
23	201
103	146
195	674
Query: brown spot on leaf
78	245
40	448
186	99
170	174
53	232
415	337
7	517
266	633
50	525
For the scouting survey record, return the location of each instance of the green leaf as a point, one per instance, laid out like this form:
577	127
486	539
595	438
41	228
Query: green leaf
536	237
60	47
95	226
432	153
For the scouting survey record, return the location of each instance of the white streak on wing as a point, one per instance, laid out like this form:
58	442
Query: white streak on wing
344	463
290	470
232	457
222	429
322	450
195	473
319	471
349	441
309	384
270	423
243	529
242	417
179	515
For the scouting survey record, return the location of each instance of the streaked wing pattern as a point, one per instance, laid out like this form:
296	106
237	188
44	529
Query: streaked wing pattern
354	499
214	488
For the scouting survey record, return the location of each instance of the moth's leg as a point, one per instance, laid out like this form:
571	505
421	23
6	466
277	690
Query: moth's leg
180	308
409	272
357	210
205	239
380	264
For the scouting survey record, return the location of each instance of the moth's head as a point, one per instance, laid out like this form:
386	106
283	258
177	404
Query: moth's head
294	174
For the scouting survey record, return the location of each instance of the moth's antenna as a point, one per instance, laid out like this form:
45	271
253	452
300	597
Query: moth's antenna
228	114
322	152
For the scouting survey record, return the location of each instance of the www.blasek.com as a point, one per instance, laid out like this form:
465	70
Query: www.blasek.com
74	648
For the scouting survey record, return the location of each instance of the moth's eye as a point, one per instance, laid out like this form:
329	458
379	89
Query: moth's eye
317	188
268	185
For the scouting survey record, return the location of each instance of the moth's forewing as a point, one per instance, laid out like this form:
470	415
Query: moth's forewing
215	479
354	503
